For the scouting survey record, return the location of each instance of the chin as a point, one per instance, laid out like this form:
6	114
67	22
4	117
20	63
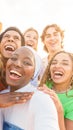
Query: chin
11	84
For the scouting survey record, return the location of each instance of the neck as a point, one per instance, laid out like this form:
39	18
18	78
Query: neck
14	88
61	89
52	53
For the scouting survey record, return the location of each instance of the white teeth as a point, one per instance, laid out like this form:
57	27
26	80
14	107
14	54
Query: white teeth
9	46
15	72
58	73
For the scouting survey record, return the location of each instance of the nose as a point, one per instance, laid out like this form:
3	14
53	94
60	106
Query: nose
31	38
52	37
10	39
18	63
58	65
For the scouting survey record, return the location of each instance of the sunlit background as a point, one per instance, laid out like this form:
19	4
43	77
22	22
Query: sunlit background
39	13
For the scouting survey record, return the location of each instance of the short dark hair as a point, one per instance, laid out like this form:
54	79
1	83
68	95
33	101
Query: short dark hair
15	29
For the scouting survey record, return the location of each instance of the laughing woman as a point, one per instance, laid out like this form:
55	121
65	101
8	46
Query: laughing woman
59	77
38	113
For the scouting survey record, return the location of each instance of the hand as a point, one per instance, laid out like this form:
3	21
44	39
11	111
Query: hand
11	98
54	97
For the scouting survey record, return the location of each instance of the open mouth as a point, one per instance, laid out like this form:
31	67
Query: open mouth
58	74
14	74
9	48
29	45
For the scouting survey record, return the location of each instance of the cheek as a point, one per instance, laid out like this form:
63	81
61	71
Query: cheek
9	63
69	72
3	41
30	72
18	44
26	38
59	38
2	45
46	40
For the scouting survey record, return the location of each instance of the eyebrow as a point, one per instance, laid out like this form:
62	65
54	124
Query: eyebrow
62	60
65	60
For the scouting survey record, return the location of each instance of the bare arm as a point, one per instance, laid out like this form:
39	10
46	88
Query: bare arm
11	98
69	124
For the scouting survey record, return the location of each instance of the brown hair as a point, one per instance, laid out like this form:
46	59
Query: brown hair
15	29
47	76
31	29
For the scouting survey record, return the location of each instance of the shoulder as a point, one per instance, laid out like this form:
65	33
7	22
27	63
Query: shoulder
43	108
42	100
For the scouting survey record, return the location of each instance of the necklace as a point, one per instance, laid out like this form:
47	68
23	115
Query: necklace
62	91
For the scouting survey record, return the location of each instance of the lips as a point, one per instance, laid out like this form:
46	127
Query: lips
14	74
9	48
29	45
58	74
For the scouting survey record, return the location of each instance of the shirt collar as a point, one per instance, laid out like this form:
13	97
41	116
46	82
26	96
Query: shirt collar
27	88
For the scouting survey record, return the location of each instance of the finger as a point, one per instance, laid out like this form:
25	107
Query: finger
21	94
40	88
22	100
11	103
28	94
3	105
25	97
13	98
20	97
44	88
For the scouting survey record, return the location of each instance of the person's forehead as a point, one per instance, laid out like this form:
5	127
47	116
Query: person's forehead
51	29
24	51
11	32
31	32
63	56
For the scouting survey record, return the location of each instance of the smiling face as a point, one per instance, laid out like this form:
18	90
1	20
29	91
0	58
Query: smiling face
52	40
61	68
31	39
20	68
11	40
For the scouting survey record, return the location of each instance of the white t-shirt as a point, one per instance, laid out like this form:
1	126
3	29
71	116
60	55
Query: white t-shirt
39	113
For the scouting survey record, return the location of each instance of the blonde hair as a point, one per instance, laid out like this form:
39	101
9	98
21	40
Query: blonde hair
57	28
31	29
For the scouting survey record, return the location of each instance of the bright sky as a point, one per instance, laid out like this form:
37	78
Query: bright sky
38	14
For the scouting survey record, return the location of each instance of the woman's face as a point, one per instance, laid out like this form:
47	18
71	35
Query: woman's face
61	68
52	40
31	39
20	68
11	40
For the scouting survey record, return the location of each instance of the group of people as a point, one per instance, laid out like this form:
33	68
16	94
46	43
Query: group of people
35	93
